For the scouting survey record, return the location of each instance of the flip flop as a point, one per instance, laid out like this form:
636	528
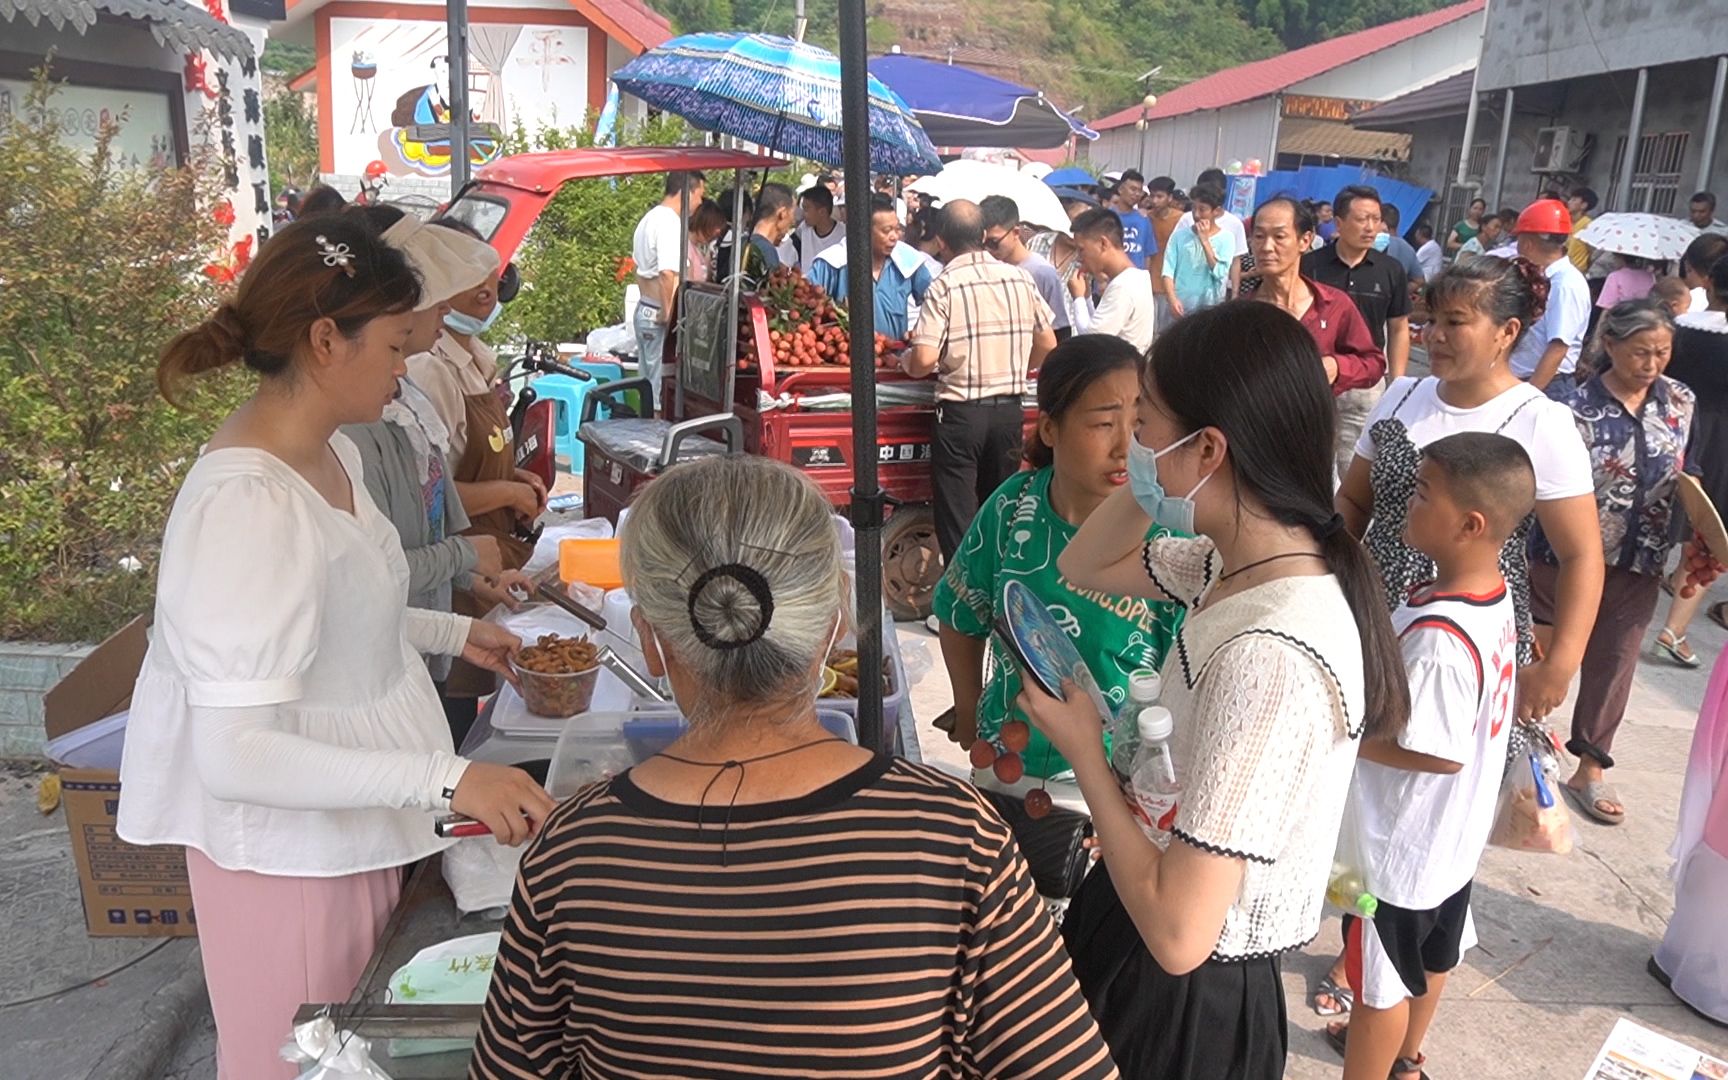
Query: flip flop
1586	800
1329	987
1676	648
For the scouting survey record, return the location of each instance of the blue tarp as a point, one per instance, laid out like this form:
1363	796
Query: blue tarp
1321	183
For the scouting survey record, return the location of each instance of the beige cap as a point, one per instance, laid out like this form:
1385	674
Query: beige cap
448	262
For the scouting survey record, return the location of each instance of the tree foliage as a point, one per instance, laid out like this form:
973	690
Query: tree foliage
1303	22
102	265
291	134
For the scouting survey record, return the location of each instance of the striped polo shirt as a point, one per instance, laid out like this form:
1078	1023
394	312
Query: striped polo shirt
883	926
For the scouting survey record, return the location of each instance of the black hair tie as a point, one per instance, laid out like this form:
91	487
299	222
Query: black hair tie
1326	528
753	582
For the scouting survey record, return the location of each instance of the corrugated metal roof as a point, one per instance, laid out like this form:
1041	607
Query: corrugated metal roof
1448	97
1330	138
1265	77
175	24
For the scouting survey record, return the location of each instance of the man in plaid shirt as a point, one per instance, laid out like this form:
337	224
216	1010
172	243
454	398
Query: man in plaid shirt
982	329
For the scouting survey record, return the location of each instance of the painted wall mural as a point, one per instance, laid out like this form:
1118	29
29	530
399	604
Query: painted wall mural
390	80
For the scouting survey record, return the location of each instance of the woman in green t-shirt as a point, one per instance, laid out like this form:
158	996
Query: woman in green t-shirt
1087	388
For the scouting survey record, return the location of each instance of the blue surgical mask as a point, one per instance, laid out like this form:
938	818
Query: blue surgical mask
467	324
1172	512
1382	241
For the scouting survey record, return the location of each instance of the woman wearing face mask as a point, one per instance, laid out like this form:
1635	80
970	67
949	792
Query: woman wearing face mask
1286	656
790	904
284	729
459	374
403	454
1086	394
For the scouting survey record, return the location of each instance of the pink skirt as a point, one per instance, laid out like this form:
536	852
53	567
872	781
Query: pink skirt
272	944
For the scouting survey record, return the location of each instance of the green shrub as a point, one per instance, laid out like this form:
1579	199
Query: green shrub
99	267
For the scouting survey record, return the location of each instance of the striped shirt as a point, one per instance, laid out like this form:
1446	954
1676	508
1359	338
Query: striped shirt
883	926
980	315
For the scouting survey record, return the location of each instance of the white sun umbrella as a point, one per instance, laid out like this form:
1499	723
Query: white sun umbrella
975	180
1647	236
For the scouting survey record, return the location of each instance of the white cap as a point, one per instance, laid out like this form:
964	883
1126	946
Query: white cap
447	261
1145	686
1155	723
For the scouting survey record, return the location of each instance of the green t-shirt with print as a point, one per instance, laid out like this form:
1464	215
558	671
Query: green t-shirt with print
1018	534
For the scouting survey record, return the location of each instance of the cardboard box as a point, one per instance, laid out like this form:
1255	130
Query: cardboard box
129	891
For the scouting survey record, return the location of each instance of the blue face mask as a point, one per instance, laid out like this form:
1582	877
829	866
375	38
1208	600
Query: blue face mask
1382	241
468	324
1174	513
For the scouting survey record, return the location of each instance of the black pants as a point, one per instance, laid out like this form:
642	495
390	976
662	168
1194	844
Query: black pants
1221	1021
976	447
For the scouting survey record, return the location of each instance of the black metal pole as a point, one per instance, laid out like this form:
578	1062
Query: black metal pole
868	504
456	38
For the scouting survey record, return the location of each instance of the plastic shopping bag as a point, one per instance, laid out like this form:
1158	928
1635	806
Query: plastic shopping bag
481	874
454	972
1531	815
325	1053
1349	886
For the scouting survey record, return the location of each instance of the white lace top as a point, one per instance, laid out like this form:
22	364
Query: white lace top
1266	690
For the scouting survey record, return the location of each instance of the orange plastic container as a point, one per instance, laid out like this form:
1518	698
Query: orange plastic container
593	562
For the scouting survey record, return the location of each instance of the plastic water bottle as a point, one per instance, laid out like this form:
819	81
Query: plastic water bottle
1346	891
1154	782
1144	688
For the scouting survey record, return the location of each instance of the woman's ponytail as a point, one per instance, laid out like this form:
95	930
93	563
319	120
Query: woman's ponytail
214	343
1385	684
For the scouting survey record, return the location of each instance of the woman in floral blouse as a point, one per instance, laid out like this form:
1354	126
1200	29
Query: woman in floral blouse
1636	424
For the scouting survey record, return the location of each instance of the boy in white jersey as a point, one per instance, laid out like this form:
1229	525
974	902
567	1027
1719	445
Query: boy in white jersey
1424	803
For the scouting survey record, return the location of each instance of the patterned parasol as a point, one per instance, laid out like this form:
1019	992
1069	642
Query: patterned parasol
1648	236
778	93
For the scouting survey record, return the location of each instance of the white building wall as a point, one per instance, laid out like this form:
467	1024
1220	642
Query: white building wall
1181	146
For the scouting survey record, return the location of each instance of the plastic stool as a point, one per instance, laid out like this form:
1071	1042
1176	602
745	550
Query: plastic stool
603	370
567	395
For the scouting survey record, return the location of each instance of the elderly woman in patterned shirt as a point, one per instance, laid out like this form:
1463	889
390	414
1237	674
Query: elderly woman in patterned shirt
1636	424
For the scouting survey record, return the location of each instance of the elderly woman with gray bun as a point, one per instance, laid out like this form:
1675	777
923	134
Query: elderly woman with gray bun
763	898
1637	426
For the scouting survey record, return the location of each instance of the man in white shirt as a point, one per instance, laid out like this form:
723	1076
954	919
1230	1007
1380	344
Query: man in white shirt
1702	212
658	252
1550	348
1428	253
1126	309
819	231
1002	239
1226	221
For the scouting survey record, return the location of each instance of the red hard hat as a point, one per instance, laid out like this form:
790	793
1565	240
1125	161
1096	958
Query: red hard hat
1545	216
378	168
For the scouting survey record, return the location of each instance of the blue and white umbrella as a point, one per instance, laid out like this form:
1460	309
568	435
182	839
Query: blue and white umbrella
775	92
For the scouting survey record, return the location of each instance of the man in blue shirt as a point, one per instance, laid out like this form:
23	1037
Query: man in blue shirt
1137	238
900	272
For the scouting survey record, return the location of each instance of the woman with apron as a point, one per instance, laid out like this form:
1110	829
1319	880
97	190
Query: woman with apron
1479	309
459	373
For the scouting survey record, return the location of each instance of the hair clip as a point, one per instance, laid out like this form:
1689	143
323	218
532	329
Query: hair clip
337	255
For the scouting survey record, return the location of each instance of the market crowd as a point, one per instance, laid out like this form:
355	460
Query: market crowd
1364	590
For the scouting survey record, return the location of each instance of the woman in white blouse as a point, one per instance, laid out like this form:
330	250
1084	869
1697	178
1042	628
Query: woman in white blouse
283	728
1286	657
